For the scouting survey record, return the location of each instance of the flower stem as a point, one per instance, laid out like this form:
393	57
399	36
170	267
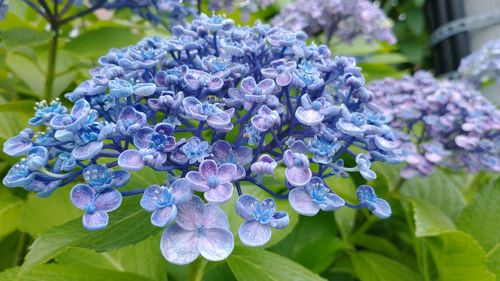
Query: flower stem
51	64
196	269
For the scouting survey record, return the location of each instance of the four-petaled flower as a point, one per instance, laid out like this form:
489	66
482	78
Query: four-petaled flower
95	204
196	79
211	113
368	199
311	113
101	177
281	71
214	181
240	156
162	201
200	229
315	196
153	145
259	218
266	119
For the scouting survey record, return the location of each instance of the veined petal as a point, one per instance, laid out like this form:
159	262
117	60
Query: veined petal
302	202
254	234
216	244
178	245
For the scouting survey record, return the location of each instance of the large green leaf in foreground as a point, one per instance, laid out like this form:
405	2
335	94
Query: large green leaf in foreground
255	264
128	225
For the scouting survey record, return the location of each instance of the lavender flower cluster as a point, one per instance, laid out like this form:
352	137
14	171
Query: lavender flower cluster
483	65
441	123
345	19
217	109
246	6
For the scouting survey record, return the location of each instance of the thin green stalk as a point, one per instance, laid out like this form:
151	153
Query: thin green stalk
196	270
51	64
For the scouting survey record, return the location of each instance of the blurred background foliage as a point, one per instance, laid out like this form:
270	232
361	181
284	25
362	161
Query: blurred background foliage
444	227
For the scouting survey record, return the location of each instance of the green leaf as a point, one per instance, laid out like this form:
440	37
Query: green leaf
41	214
440	190
57	272
378	244
415	21
10	207
312	246
429	220
254	264
371	266
11	125
127	225
144	259
28	71
12	249
98	41
345	218
389	58
459	257
20	105
21	37
481	219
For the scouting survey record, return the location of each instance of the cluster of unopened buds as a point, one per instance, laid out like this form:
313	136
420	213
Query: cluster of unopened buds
440	123
218	109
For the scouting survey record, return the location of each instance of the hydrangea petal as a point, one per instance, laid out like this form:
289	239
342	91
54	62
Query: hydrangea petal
87	151
298	176
163	216
179	246
81	195
216	244
95	221
190	214
214	217
108	201
302	203
219	194
254	234
130	160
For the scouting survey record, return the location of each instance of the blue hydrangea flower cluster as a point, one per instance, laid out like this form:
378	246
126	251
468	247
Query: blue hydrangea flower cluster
217	109
440	122
345	19
483	65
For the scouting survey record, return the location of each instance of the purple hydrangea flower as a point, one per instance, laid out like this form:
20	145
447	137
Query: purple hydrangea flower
211	113
200	229
345	19
162	201
456	123
265	165
153	146
368	199
130	121
100	177
315	196
266	119
213	180
364	165
240	156
96	205
297	172
259	218
281	71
